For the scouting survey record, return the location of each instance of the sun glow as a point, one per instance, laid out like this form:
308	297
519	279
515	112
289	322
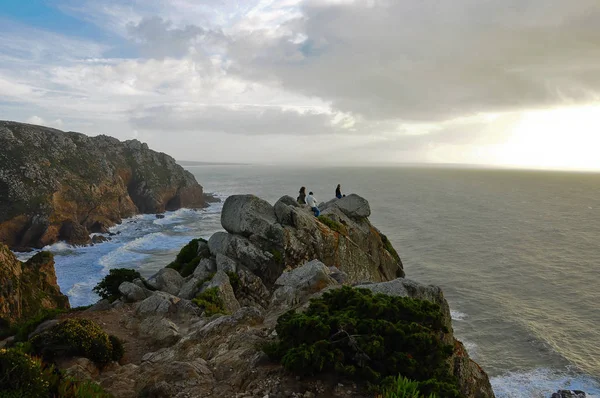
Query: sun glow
567	138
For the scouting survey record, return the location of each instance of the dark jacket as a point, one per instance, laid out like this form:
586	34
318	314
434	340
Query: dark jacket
302	199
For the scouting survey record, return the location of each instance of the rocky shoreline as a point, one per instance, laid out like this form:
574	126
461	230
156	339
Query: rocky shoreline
271	260
57	185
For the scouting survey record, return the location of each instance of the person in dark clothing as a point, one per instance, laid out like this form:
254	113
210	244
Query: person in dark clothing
302	197
338	192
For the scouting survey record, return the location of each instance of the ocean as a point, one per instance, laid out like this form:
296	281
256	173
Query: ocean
516	253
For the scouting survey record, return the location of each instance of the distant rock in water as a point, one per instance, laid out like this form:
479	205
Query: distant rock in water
58	185
26	288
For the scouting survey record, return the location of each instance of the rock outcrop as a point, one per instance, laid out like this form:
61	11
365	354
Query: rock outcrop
272	260
26	288
58	185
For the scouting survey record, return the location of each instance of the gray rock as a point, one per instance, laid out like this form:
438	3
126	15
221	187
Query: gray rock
166	280
218	243
205	267
42	327
225	264
158	303
283	209
7	341
160	330
225	291
353	206
248	215
297	285
569	394
190	289
133	293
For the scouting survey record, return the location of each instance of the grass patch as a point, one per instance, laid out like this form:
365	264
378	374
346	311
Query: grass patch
234	281
333	225
277	256
210	301
388	246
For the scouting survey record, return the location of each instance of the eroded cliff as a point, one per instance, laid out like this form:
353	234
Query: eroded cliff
57	185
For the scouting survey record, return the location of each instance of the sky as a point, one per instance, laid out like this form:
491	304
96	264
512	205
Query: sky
322	82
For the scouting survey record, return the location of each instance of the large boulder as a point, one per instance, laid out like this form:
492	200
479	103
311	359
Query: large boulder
161	331
166	280
224	291
248	215
165	304
132	292
297	285
353	206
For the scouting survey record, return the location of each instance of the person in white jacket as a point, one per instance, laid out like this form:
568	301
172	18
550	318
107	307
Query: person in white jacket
312	202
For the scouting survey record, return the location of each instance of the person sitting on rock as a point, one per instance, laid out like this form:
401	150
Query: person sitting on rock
312	202
338	192
302	197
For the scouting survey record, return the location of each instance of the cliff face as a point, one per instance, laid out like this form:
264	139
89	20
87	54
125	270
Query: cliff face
58	185
272	259
27	287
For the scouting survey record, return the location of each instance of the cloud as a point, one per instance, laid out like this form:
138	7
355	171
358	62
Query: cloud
432	60
244	120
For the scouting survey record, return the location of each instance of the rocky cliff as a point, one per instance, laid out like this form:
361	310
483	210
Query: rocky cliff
197	327
58	185
26	288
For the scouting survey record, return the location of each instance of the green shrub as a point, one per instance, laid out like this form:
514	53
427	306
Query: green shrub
189	257
108	288
117	348
277	256
368	337
210	301
235	281
75	337
22	375
402	387
388	246
333	225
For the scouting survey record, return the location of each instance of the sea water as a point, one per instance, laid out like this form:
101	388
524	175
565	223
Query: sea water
516	253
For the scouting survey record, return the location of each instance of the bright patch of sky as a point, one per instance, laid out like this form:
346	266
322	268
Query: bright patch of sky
501	82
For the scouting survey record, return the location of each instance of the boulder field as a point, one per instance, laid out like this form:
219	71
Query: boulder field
57	185
270	260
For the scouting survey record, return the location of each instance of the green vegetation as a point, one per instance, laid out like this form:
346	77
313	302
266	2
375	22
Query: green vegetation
333	225
277	256
24	376
368	337
77	337
388	246
235	281
210	301
402	387
189	257
108	288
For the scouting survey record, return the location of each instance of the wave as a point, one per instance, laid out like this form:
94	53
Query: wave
542	383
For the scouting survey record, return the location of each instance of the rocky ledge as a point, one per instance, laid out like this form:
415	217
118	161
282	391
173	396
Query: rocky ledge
198	327
26	288
57	185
